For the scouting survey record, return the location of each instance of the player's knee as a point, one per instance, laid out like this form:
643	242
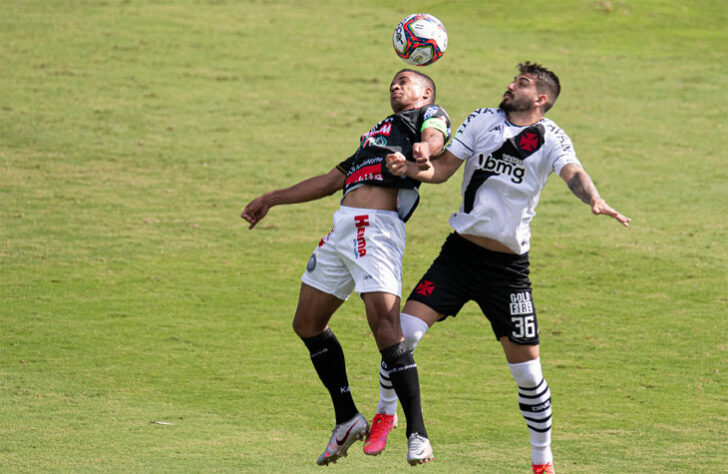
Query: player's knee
304	329
413	329
297	327
527	374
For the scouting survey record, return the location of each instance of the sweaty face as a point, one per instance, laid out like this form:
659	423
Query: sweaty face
405	91
520	95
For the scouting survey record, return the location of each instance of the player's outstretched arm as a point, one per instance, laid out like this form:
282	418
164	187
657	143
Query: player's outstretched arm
439	169
307	190
583	187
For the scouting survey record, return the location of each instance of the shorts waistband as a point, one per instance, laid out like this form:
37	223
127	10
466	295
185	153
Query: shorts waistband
457	239
384	212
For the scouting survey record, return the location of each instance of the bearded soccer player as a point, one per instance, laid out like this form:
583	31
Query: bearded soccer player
363	252
509	153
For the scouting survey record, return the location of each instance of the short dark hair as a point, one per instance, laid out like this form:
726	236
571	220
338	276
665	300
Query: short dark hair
546	81
425	80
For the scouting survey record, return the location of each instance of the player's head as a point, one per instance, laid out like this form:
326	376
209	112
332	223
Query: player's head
534	86
411	89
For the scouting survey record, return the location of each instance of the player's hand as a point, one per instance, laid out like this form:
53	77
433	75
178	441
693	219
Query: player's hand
421	153
255	211
600	206
397	164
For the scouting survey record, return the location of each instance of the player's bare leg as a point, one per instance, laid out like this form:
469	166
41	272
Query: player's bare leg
534	398
315	308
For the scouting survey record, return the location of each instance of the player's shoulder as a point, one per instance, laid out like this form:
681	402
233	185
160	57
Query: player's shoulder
432	110
556	136
552	128
484	115
422	113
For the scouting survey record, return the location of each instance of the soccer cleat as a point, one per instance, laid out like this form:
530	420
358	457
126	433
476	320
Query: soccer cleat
419	450
343	436
377	438
547	468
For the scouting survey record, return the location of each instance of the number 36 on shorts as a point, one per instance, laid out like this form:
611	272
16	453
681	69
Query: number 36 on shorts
524	327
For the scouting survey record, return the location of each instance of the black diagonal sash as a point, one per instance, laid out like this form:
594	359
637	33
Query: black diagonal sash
521	146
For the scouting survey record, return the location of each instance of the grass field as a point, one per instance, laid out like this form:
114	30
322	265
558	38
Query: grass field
133	132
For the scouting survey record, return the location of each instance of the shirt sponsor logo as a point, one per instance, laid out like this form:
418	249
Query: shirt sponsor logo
505	164
367	173
380	129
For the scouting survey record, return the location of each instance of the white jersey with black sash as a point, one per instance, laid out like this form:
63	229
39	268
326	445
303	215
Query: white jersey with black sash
506	166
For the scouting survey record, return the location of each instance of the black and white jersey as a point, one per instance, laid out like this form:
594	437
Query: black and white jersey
396	133
506	166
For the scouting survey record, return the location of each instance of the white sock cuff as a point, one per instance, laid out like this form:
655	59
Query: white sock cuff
527	374
413	329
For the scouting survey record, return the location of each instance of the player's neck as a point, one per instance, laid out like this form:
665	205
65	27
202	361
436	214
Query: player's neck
524	118
411	106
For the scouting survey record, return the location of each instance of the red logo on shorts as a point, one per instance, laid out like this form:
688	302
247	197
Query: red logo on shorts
325	238
425	288
361	223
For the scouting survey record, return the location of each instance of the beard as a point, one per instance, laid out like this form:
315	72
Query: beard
509	104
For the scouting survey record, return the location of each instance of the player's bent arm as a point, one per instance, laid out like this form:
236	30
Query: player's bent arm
434	140
307	190
442	167
581	184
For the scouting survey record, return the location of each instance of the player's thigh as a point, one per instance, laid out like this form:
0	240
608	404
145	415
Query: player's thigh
382	311
511	313
517	353
314	311
326	271
447	285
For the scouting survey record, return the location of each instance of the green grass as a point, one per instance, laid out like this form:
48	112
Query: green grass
133	132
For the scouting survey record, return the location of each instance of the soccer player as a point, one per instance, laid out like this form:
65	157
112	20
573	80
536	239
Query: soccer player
509	153
363	252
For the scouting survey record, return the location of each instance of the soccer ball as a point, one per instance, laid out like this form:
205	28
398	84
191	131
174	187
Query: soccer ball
420	39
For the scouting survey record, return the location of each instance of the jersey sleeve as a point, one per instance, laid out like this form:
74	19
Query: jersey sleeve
562	151
463	143
345	165
435	117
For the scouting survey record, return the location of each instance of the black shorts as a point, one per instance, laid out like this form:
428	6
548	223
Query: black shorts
497	282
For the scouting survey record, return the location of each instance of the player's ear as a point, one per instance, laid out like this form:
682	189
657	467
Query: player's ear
541	100
427	93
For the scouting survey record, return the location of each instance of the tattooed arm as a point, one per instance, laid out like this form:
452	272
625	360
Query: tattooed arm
582	186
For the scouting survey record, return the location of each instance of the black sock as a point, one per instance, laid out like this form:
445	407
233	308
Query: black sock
328	360
400	362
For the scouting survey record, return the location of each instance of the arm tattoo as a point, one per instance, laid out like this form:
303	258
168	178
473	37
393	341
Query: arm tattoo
582	187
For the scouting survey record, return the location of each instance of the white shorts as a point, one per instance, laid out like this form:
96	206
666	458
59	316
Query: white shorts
363	252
